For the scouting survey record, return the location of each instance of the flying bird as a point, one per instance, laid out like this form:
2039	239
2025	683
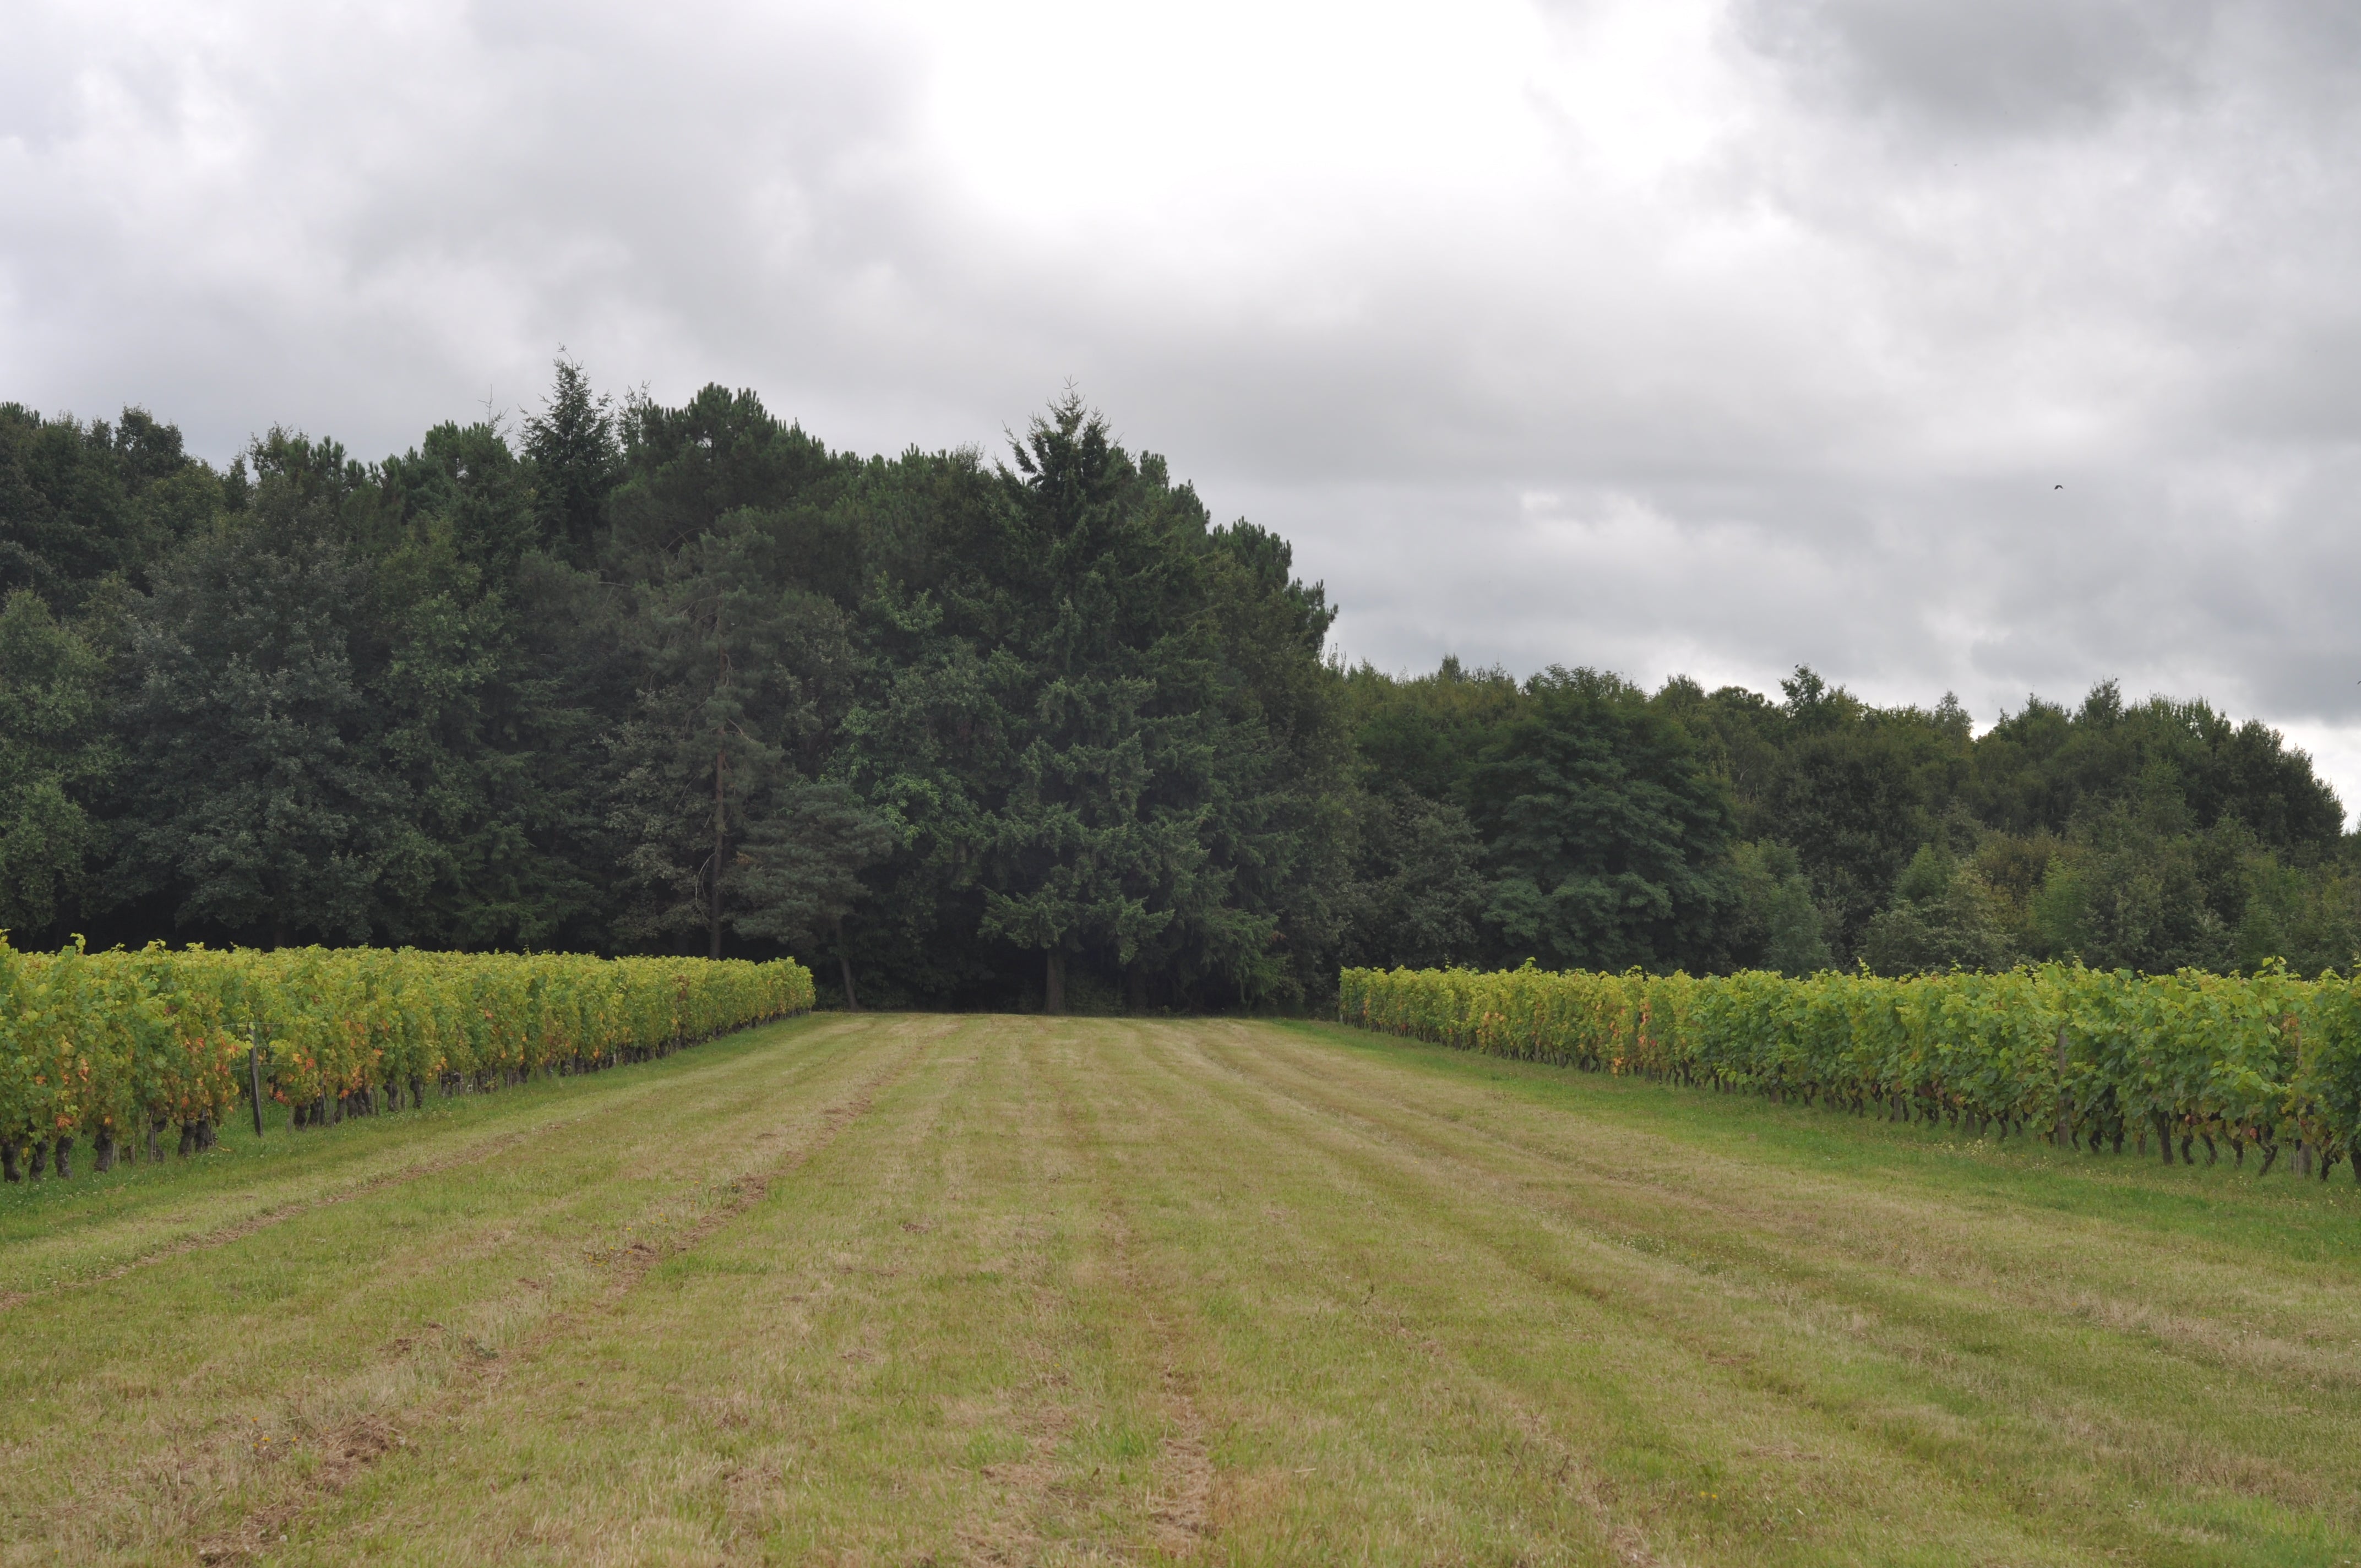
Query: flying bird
2056	487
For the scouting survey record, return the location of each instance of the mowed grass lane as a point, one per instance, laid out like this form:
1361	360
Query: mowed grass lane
998	1289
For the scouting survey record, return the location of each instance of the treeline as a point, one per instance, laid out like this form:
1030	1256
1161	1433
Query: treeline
959	730
1579	821
646	678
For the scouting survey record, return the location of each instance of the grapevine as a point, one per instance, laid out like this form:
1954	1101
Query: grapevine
2083	1058
118	1048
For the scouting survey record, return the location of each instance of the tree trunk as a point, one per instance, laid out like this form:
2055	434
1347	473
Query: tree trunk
1053	996
8	1160
63	1152
844	964
102	1150
1136	986
720	847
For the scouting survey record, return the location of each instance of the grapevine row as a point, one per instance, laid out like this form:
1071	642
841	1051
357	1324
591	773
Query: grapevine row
120	1048
2081	1058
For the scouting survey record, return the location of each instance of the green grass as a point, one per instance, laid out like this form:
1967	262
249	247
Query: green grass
906	1289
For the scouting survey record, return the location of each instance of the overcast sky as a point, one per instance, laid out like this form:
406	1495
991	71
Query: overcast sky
1663	337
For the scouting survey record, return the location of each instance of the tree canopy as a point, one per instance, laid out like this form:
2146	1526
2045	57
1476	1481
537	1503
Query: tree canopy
961	730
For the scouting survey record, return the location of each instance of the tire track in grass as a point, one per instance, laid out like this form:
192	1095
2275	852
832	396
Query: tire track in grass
1429	1192
355	1449
491	1145
1182	1513
1964	1393
207	1241
750	1407
870	1350
158	1409
1951	1243
2054	1394
1010	1522
1181	1508
1575	1477
1641	1292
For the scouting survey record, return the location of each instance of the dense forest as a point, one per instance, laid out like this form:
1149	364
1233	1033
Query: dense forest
1029	730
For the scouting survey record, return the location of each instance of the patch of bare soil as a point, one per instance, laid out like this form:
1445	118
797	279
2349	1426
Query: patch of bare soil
1022	1486
1183	1510
344	1453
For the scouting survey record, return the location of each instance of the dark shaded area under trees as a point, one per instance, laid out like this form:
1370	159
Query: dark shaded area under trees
1015	733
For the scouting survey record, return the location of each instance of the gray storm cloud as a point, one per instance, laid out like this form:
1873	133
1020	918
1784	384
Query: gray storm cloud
1665	337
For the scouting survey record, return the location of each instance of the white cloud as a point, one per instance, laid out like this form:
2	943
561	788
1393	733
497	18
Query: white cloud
1672	336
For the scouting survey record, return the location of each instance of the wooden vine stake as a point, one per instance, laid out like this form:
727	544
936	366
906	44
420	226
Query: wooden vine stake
253	1071
2306	1154
2064	1132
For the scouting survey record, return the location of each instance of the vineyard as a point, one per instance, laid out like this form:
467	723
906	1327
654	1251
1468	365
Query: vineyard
121	1047
2081	1058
